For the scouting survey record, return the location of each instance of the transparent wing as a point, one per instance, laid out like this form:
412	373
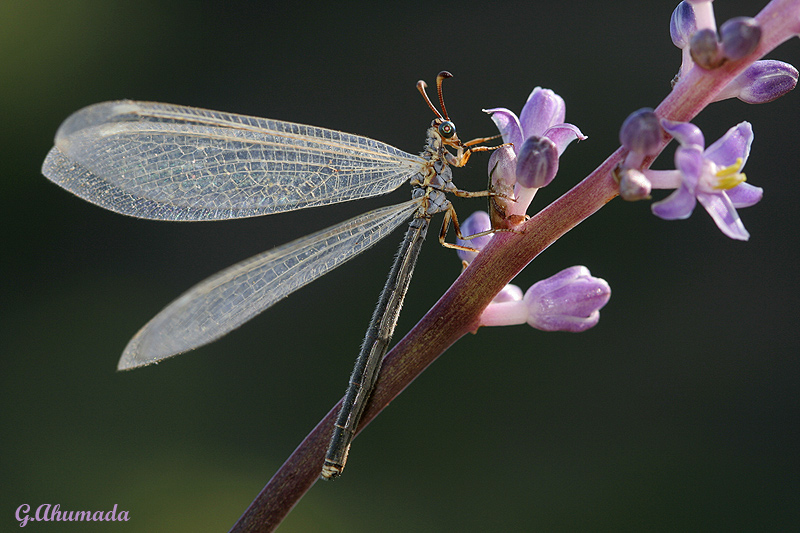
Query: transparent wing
233	296
172	162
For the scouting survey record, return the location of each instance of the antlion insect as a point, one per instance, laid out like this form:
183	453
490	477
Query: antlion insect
169	162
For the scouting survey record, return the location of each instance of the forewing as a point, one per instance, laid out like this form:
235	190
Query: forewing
170	162
233	296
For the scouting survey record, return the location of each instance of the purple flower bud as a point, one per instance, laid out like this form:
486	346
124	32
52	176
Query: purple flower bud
762	82
641	132
705	49
569	301
633	185
739	36
477	222
682	25
537	162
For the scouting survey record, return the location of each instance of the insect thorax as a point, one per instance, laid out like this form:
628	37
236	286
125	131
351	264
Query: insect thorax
435	177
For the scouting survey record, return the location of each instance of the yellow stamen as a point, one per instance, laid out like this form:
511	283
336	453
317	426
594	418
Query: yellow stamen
730	177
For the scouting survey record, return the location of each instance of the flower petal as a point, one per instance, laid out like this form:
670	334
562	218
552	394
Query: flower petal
563	134
731	146
685	133
676	206
571	324
745	195
564	277
508	124
721	209
690	161
543	109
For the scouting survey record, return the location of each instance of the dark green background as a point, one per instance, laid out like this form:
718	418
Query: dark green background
679	411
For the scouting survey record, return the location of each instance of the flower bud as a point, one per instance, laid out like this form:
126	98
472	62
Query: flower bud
762	82
569	301
641	132
705	49
739	37
633	185
682	25
537	162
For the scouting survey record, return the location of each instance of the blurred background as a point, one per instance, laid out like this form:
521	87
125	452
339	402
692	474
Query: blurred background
679	411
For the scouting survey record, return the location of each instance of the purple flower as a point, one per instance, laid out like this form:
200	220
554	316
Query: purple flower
527	166
762	82
542	116
711	176
568	301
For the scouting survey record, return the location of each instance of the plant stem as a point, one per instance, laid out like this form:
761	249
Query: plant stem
458	310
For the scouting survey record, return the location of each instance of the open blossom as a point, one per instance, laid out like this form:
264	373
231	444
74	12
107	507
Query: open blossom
542	116
710	175
537	137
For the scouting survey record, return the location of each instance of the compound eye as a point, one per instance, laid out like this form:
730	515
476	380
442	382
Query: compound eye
447	129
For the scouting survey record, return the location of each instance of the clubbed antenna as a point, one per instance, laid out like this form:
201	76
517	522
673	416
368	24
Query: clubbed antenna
439	79
421	85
